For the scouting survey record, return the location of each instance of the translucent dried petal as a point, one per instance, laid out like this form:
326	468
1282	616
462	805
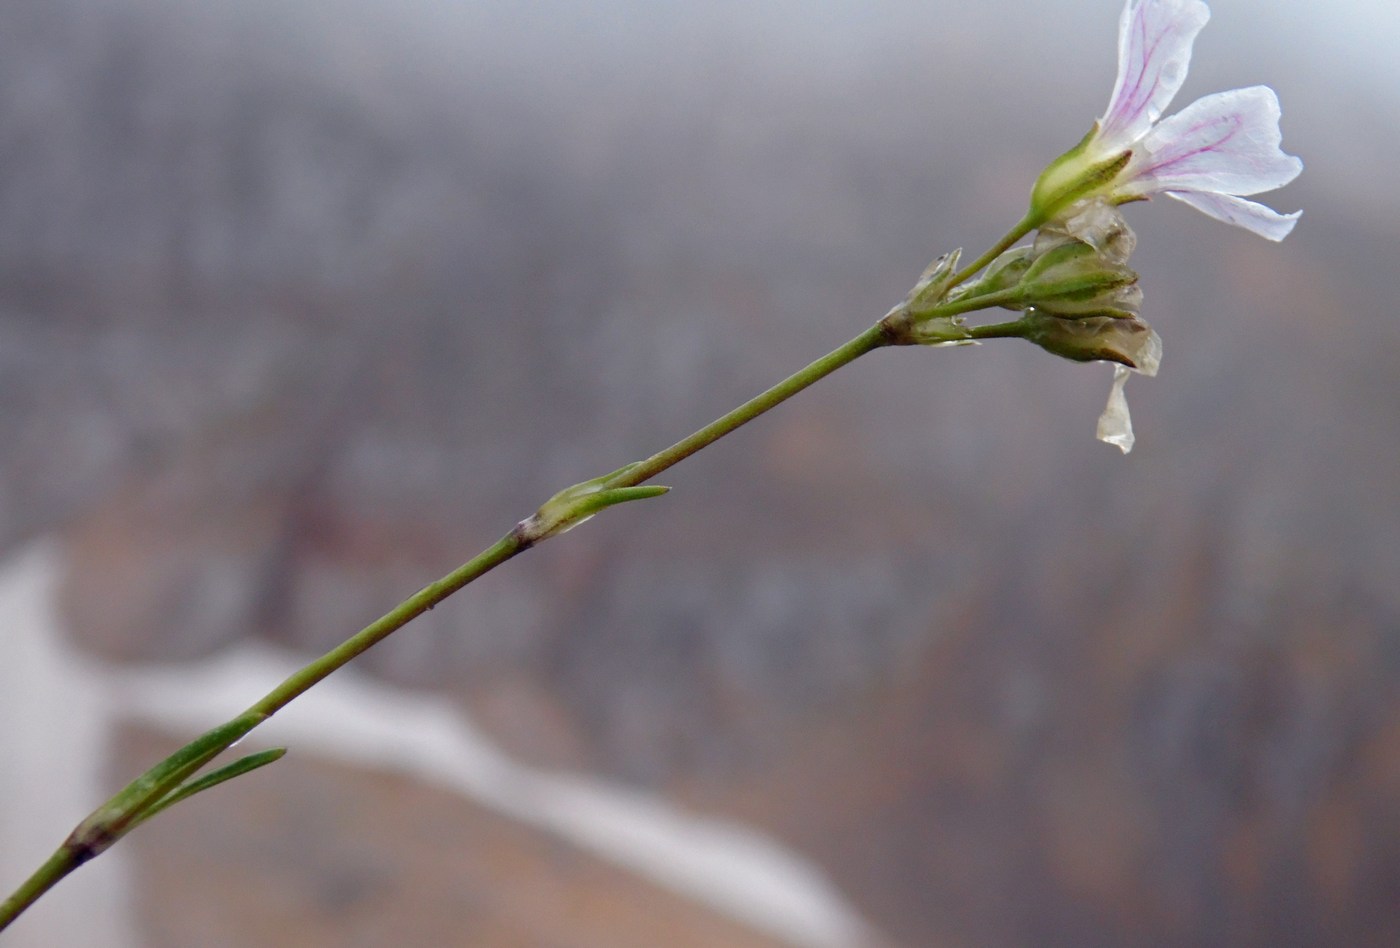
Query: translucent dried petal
1115	424
1097	223
1146	352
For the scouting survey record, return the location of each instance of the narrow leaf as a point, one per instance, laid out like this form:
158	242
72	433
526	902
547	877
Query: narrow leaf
238	768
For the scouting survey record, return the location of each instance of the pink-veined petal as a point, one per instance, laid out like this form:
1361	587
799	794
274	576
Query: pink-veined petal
1264	221
1227	143
1154	52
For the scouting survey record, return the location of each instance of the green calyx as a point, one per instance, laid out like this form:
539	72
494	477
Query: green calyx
1130	342
1072	177
1075	281
933	285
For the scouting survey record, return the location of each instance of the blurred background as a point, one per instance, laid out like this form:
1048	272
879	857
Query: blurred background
303	303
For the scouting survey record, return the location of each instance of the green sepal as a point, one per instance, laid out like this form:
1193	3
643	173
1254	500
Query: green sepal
1072	177
573	505
933	284
620	495
244	765
111	821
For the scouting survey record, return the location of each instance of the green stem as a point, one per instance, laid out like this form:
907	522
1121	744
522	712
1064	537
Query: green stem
873	338
393	620
1023	227
1016	329
515	542
970	304
129	808
62	862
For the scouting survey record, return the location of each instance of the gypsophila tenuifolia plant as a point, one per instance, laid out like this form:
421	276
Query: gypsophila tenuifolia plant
1071	287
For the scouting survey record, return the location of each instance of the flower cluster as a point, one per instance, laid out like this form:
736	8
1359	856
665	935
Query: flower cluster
1211	155
1078	297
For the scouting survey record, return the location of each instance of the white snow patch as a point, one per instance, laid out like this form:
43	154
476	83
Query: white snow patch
62	707
735	870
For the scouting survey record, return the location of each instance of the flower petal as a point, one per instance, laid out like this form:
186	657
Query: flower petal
1154	51
1115	425
1226	143
1264	221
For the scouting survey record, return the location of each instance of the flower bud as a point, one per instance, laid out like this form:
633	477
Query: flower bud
1128	341
1005	273
933	284
1073	280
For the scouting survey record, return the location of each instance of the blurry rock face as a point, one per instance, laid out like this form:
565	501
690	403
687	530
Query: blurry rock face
301	307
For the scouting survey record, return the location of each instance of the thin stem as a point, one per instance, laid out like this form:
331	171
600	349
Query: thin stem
514	542
112	819
1016	329
1023	227
873	338
44	878
968	304
393	620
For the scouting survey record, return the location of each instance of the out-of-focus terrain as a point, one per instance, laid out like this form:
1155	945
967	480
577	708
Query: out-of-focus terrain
303	303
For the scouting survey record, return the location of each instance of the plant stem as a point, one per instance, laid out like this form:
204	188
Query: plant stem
515	542
393	620
873	338
62	862
969	304
1023	227
1016	329
111	820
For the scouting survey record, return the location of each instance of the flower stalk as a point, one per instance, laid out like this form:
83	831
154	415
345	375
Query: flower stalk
169	782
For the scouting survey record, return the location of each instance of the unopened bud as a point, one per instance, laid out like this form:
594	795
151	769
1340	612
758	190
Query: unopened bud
1073	280
1005	273
1130	343
1127	341
933	284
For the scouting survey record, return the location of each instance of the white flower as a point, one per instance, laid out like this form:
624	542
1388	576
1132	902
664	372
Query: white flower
1211	154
